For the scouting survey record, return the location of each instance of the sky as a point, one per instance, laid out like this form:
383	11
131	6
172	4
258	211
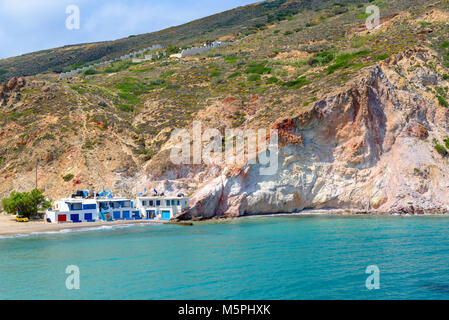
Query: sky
33	25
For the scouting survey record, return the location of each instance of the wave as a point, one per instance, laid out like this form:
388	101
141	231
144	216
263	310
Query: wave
76	230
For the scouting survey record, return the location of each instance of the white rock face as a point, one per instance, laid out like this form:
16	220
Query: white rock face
366	148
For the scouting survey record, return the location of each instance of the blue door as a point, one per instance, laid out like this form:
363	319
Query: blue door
151	214
75	217
125	214
117	215
136	215
165	215
88	216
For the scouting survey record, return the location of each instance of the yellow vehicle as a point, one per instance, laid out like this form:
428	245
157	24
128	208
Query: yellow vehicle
22	219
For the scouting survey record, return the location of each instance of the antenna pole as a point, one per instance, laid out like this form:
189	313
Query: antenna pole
37	161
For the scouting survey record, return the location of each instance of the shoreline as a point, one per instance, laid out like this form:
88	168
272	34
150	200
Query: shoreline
10	228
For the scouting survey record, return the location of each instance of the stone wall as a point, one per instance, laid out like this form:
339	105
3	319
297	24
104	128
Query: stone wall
100	64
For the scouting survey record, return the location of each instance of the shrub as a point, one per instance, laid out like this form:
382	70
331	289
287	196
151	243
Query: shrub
446	76
359	41
167	74
172	49
321	58
126	108
90	72
141	70
258	68
130	89
446	142
75	66
444	45
68	177
310	101
231	59
156	83
382	57
214	54
298	83
240	119
260	26
129	98
272	80
254	77
233	75
48	136
281	14
25	203
78	89
147	153
118	66
88	145
132	86
343	60
442	101
440	149
363	16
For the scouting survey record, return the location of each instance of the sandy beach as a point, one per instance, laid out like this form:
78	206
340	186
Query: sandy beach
9	226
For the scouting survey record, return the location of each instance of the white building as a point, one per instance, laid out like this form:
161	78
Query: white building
161	207
90	210
84	208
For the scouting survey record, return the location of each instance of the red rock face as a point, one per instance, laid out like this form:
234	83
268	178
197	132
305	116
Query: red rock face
418	131
232	105
76	181
287	132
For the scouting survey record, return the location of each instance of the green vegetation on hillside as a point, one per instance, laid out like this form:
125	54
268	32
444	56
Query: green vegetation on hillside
278	69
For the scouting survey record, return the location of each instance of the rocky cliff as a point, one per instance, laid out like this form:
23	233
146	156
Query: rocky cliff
369	147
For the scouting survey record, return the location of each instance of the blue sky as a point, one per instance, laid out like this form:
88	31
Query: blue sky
32	25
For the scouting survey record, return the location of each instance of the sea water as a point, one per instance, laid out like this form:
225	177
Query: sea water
287	257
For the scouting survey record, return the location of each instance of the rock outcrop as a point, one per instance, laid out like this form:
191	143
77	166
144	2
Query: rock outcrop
10	92
358	149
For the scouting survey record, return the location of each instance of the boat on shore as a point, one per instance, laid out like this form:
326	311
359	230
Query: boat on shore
86	206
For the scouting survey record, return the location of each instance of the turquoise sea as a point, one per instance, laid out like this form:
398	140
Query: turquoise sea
286	257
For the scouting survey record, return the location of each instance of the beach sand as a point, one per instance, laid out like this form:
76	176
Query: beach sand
9	226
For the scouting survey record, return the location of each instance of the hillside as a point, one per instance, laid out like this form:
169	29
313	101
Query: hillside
362	115
234	23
